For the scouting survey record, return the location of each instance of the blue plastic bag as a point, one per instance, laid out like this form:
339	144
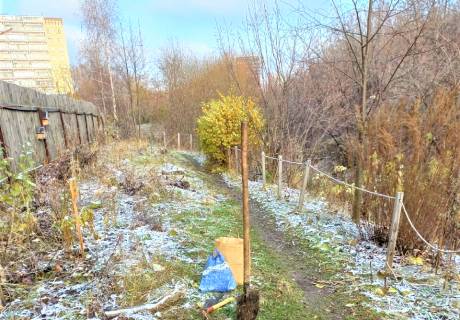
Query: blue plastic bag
217	275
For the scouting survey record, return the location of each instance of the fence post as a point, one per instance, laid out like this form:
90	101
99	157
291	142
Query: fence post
178	141
47	152
306	177
280	176
64	131
78	128
164	139
235	153
264	177
191	142
3	144
395	218
87	132
229	159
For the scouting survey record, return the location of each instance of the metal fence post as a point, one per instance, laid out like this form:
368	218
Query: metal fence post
280	176
394	229
306	177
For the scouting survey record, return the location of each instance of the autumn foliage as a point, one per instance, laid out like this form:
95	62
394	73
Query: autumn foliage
219	126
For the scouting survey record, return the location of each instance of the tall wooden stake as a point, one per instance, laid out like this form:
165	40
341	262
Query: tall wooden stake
280	176
306	177
164	139
264	177
191	142
74	195
246	226
394	230
178	141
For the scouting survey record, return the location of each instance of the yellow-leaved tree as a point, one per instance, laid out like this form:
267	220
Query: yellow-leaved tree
220	125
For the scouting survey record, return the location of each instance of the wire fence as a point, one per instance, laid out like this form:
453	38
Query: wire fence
352	186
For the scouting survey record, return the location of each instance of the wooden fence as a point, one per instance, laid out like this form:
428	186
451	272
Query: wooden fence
65	122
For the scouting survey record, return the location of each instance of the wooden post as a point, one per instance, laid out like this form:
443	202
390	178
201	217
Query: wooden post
235	155
78	128
306	177
92	120
264	177
246	221
394	229
3	144
47	152
164	139
229	159
74	195
178	141
280	176
87	132
191	142
64	131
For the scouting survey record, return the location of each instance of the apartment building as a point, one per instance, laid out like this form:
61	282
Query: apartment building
33	53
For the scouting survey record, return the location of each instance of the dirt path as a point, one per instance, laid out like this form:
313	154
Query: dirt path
319	300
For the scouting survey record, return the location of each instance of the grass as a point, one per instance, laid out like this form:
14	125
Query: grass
196	231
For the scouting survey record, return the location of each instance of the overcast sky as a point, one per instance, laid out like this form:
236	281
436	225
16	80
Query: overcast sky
190	22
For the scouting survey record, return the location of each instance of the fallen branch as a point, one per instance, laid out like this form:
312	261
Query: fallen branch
166	301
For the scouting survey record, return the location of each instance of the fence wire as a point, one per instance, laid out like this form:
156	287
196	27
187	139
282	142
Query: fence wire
435	248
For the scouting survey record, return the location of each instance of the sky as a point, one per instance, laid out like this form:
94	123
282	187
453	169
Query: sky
192	23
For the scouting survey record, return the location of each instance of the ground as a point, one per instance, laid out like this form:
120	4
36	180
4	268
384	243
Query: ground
157	215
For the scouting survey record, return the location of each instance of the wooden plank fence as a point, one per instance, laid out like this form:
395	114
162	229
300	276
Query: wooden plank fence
68	122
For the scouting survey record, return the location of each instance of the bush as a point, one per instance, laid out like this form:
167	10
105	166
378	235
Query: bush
220	125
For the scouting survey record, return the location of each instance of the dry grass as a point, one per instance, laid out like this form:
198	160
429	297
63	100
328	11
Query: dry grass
422	143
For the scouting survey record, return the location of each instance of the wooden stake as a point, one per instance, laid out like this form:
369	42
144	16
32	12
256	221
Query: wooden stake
229	159
178	141
280	176
264	177
164	139
306	177
235	154
394	230
74	195
245	187
191	142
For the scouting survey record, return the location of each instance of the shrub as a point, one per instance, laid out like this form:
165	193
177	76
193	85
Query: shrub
220	125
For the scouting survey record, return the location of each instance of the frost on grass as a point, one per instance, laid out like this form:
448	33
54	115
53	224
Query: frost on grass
414	291
133	231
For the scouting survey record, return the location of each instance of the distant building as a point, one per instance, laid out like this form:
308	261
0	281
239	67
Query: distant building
33	53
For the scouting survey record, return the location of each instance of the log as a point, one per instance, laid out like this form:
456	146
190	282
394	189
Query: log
166	301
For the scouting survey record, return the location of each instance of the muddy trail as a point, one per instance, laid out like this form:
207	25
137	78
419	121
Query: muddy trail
299	264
